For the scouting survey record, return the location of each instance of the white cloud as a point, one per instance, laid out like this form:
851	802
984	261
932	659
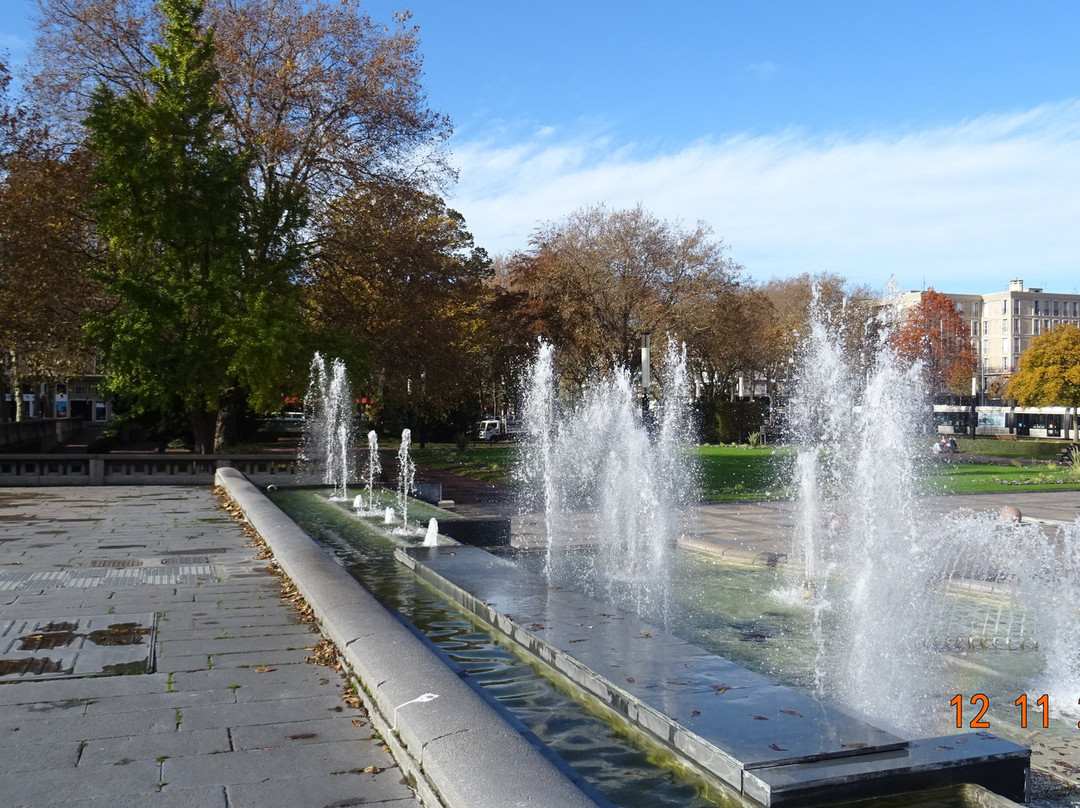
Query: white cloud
763	70
965	207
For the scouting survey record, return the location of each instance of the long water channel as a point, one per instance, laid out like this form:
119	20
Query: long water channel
628	774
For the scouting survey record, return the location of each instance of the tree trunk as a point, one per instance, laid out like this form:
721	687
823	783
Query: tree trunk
227	427
202	424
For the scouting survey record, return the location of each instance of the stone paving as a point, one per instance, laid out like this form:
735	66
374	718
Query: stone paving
232	715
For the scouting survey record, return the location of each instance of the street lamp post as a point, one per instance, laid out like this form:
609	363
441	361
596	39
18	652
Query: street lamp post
645	340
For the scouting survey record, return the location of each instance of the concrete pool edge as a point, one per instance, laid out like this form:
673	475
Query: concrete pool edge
436	725
976	759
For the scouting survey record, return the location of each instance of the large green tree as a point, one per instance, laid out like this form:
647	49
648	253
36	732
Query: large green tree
193	316
318	97
1048	374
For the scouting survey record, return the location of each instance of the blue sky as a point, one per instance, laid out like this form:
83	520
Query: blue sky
937	142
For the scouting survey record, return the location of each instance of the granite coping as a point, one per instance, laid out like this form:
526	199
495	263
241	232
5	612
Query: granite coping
773	744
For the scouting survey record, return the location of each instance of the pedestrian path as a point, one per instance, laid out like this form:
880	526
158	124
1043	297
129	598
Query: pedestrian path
231	714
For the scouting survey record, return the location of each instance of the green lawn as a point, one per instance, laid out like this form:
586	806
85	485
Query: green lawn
493	463
741	472
960	477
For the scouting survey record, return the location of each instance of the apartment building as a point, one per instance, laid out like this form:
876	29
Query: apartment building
1001	324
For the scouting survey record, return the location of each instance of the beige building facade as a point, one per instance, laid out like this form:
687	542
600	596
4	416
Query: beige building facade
1001	324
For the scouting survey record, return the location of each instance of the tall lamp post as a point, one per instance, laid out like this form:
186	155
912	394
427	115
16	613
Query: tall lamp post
645	340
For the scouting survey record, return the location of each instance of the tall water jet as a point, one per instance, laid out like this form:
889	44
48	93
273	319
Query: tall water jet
884	575
601	478
328	425
374	468
406	477
537	468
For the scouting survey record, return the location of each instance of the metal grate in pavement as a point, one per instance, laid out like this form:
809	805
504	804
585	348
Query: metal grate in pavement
84	578
75	646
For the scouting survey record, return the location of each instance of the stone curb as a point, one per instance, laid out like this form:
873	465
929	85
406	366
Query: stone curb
455	747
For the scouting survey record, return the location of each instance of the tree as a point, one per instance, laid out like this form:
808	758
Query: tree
44	296
1049	372
170	203
399	279
317	97
933	332
599	279
845	310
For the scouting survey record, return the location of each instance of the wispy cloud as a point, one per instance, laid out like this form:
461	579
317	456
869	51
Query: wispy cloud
763	70
965	207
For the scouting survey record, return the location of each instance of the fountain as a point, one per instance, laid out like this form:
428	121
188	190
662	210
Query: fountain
431	537
899	579
368	506
601	478
406	477
328	426
607	482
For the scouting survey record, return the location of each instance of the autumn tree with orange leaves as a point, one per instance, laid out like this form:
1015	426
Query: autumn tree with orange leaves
934	333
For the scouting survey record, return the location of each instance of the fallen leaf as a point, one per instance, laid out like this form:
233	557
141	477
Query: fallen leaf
264	669
630	679
777	748
372	769
695	713
757	717
303	736
792	712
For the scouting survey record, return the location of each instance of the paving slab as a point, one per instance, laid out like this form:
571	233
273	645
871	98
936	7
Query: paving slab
237	734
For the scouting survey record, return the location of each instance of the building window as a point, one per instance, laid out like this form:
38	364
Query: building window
986	346
1076	308
1016	305
1016	345
1016	325
1046	325
1035	327
986	327
1057	309
974	309
1004	326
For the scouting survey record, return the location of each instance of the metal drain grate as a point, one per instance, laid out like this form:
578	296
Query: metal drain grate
171	560
96	645
84	578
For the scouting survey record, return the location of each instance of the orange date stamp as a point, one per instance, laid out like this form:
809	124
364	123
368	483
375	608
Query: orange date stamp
981	703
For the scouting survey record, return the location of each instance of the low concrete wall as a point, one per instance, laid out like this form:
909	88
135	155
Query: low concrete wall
459	749
151	468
